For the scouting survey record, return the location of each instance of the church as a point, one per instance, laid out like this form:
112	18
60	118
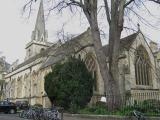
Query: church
138	65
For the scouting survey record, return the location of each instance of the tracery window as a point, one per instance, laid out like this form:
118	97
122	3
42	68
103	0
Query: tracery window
142	67
91	66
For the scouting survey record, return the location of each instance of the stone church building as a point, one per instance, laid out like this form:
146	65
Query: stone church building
138	64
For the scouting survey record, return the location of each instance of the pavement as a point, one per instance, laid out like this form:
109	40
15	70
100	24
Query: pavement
10	117
15	117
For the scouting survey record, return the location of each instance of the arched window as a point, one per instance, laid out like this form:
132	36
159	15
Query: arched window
91	66
142	67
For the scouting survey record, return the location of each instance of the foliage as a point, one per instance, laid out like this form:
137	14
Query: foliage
37	105
147	107
102	110
70	83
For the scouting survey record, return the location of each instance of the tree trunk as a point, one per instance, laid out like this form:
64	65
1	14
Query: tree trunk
110	83
108	75
114	43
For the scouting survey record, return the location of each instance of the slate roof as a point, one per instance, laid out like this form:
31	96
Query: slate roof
125	42
29	61
54	54
40	55
56	57
62	51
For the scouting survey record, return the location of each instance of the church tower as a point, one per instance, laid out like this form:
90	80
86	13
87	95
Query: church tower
39	36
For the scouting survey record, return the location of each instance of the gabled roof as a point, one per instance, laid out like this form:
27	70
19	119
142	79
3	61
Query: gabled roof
125	42
54	54
63	50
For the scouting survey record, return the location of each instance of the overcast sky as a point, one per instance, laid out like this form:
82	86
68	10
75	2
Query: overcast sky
15	29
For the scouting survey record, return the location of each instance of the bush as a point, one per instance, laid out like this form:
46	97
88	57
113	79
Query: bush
74	108
70	83
147	107
102	110
38	105
101	104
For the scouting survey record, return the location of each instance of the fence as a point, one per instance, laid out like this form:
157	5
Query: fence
145	102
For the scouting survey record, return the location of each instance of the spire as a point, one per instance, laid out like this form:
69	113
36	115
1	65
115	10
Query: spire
39	33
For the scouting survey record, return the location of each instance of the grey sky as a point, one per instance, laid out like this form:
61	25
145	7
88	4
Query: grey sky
15	30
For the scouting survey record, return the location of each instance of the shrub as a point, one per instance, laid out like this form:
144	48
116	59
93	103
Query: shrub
102	104
102	110
37	105
70	83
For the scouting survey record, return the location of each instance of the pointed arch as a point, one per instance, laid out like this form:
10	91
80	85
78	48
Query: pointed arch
142	67
90	62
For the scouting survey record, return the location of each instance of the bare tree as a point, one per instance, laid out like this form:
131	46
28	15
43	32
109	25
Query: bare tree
115	12
89	8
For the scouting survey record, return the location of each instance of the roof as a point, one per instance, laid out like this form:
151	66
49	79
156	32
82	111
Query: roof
55	57
54	53
125	42
29	60
57	52
40	55
63	50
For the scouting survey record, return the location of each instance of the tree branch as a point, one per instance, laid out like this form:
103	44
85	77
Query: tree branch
83	47
28	5
156	1
121	14
107	11
128	3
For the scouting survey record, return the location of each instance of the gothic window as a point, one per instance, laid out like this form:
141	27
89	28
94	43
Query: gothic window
91	66
142	67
